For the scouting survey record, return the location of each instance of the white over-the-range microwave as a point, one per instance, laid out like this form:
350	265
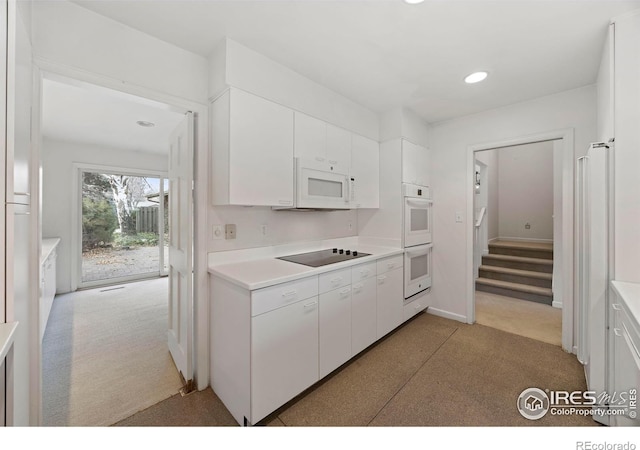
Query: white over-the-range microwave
321	185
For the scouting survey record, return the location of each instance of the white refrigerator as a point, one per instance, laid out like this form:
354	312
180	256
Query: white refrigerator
594	202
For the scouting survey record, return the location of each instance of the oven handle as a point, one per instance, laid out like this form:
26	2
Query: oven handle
419	252
419	203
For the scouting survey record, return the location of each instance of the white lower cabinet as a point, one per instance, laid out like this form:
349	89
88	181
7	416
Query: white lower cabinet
390	299
270	344
47	289
335	329
625	372
363	307
284	355
417	304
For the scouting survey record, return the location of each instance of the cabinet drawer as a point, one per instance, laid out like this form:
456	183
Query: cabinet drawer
272	297
415	306
390	263
363	271
334	280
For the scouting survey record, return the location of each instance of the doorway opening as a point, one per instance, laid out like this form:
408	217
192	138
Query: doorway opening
109	162
546	241
514	240
124	227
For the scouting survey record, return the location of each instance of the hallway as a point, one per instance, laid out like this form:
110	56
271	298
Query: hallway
105	354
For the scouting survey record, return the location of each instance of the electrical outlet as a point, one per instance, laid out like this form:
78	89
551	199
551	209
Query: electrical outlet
350	226
263	230
230	231
218	232
458	217
527	226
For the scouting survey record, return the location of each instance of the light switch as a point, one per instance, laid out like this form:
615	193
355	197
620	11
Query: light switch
218	232
458	217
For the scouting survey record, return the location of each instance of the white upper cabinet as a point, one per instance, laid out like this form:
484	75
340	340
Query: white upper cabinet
318	140
365	168
338	146
252	151
415	164
310	137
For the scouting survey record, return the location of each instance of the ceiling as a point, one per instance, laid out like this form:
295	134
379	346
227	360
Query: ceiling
88	114
386	54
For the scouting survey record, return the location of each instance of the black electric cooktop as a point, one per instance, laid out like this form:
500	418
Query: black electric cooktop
323	257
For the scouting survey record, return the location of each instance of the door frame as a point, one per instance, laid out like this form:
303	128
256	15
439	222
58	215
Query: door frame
42	68
568	185
76	217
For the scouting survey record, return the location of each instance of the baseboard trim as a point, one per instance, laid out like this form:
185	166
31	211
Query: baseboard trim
556	304
505	238
574	350
446	314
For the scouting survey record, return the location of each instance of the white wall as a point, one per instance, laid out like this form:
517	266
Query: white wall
386	221
281	226
627	145
525	189
57	179
233	64
450	141
68	34
402	122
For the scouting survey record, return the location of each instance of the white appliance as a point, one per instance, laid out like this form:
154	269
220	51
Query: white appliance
321	185
417	269
594	201
416	238
417	222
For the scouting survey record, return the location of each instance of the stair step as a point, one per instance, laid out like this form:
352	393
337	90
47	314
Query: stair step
516	290
519	262
523	249
540	279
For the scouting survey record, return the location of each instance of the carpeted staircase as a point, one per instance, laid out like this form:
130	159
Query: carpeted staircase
518	269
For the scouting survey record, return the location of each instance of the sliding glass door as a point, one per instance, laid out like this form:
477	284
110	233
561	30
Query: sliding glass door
124	227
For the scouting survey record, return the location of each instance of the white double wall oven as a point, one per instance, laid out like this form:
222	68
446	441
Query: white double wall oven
417	239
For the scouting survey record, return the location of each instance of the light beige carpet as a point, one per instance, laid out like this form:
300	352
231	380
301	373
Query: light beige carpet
524	318
105	354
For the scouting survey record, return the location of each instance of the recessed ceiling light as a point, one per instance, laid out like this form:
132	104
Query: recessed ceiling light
144	123
475	77
413	2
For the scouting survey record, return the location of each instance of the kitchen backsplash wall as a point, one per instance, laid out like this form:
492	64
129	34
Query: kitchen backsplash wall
259	226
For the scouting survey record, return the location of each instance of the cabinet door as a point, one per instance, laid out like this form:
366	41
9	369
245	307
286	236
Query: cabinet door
626	367
363	315
284	355
338	147
415	164
310	137
260	151
410	156
365	167
335	329
390	301
422	177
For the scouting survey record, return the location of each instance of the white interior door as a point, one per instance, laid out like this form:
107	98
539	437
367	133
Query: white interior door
180	334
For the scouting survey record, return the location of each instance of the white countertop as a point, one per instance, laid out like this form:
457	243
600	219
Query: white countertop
48	245
259	273
630	295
